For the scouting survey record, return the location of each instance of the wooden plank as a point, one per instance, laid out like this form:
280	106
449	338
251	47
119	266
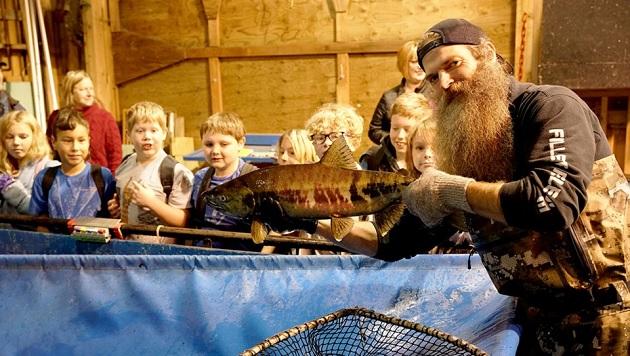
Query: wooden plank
216	90
343	78
303	49
137	56
99	61
114	15
212	9
527	39
340	7
626	164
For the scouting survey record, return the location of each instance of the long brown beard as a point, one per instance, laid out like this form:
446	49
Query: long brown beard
474	130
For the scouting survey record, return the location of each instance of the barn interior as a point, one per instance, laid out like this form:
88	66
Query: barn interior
274	63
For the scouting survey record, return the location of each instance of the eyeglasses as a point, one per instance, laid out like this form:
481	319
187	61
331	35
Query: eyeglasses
321	138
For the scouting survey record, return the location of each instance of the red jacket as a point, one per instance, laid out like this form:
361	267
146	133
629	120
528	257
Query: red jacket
105	142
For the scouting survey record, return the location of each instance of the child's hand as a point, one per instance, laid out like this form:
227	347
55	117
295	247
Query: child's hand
141	195
113	207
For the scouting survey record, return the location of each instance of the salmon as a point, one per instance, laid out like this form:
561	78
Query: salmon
330	189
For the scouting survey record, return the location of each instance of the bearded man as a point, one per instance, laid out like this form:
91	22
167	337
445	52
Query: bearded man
528	171
532	171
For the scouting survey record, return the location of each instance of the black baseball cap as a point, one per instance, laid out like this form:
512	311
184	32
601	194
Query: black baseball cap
451	31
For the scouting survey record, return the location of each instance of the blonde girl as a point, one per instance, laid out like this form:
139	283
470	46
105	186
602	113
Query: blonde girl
295	147
24	153
419	154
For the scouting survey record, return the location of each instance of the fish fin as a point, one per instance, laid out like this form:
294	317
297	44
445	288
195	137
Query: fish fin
385	219
341	227
339	155
259	231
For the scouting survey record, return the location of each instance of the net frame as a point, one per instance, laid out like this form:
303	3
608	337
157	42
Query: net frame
305	339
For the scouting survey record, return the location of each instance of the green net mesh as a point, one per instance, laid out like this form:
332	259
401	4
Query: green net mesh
359	331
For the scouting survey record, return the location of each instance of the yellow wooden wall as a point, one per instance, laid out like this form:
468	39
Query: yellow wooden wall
271	92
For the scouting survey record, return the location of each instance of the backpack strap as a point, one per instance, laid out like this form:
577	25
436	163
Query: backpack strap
167	174
47	181
200	207
97	177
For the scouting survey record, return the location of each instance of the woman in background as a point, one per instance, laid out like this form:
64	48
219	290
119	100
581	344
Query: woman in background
412	81
77	91
295	147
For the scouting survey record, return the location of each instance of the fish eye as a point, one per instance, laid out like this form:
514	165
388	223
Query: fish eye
222	198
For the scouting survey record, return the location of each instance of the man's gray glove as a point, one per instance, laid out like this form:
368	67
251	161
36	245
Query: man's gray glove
436	195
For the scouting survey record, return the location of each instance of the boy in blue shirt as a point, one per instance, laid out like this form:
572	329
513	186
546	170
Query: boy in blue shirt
222	137
74	190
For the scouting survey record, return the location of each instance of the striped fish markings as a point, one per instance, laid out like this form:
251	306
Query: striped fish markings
330	189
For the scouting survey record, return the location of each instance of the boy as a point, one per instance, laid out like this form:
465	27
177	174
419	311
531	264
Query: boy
332	121
222	137
143	198
76	188
408	110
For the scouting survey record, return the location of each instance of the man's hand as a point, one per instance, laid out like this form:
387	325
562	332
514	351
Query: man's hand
273	216
436	195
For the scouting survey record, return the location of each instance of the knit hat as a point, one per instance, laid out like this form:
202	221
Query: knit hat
452	31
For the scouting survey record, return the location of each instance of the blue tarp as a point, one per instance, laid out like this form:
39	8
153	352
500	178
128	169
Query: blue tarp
178	301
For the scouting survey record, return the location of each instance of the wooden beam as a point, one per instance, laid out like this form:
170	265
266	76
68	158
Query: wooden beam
216	89
212	9
343	78
153	55
99	60
340	8
114	15
315	49
527	41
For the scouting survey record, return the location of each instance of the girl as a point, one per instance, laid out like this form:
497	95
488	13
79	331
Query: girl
295	147
419	154
419	158
25	152
77	92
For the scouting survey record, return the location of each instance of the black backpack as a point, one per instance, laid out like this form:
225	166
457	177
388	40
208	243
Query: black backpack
97	177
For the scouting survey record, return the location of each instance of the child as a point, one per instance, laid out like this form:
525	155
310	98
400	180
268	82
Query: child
76	188
222	137
419	155
389	156
295	147
143	198
77	92
332	121
419	158
25	153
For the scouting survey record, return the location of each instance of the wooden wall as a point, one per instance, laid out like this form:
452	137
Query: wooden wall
277	60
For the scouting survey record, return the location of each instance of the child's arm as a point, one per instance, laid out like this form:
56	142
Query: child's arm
145	197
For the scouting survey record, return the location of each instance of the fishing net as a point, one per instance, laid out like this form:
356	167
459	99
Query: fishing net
359	331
